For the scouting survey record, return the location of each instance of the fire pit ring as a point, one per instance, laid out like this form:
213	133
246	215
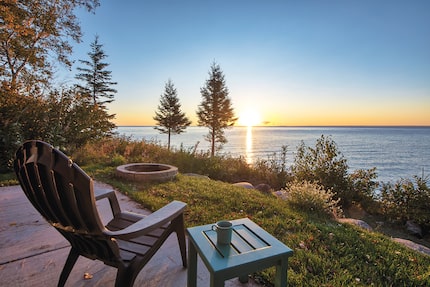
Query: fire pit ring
147	172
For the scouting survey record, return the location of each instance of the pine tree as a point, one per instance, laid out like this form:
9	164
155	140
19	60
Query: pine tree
95	76
216	110
170	119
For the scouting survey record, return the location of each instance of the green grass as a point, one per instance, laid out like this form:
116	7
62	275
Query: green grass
326	253
8	179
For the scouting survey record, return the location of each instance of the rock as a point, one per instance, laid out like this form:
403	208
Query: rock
244	184
413	245
357	222
414	229
282	194
265	188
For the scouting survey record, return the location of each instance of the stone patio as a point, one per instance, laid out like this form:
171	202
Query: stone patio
33	253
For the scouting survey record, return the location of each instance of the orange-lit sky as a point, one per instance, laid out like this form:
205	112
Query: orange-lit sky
291	62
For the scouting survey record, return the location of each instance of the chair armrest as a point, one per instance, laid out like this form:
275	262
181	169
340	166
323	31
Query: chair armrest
102	193
111	196
154	220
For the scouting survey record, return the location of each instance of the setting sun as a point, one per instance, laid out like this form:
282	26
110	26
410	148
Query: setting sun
249	118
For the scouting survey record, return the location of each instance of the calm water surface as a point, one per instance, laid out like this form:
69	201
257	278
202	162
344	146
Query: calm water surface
396	152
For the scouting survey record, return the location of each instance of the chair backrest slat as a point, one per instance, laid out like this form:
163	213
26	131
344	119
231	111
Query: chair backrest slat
33	189
61	191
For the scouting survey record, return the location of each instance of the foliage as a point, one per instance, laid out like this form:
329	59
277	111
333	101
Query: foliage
362	186
326	165
120	150
23	117
169	117
10	130
72	120
95	76
312	197
274	169
215	110
64	118
407	200
32	32
7	179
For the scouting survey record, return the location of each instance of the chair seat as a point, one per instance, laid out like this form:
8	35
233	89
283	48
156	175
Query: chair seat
129	249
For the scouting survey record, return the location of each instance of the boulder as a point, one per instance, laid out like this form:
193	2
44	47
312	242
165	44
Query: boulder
282	194
244	184
415	246
357	222
265	188
414	229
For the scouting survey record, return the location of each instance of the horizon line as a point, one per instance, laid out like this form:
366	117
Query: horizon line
306	126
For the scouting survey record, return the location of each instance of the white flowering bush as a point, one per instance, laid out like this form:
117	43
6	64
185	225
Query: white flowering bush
313	197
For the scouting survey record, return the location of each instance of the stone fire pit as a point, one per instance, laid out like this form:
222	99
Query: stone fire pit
147	172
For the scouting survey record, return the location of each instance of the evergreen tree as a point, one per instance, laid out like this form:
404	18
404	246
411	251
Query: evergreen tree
95	76
170	119
216	110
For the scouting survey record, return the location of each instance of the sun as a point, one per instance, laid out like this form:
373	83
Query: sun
249	118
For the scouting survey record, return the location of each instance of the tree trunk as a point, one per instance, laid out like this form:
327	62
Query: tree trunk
213	143
168	140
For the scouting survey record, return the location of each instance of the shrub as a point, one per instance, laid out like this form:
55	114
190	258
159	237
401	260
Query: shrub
407	200
362	186
325	165
274	169
313	197
118	160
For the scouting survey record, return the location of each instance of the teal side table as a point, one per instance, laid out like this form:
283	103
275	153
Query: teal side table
251	249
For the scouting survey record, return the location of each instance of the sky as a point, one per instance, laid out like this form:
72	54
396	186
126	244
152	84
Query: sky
286	63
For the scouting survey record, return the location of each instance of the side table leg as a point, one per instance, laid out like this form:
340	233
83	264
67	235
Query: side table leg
281	273
192	265
216	282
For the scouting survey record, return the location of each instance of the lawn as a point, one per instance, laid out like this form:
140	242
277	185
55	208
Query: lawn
326	253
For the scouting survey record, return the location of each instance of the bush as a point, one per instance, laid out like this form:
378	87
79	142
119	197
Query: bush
325	165
64	119
274	169
362	186
313	197
407	200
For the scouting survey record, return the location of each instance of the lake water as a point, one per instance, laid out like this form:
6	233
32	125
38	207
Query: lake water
396	152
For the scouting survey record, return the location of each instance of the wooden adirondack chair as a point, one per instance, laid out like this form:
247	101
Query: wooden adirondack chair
63	193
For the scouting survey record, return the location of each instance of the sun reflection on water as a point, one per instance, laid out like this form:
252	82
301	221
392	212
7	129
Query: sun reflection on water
249	145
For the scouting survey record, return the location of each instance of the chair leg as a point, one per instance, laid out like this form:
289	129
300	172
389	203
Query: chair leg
126	276
180	233
68	266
